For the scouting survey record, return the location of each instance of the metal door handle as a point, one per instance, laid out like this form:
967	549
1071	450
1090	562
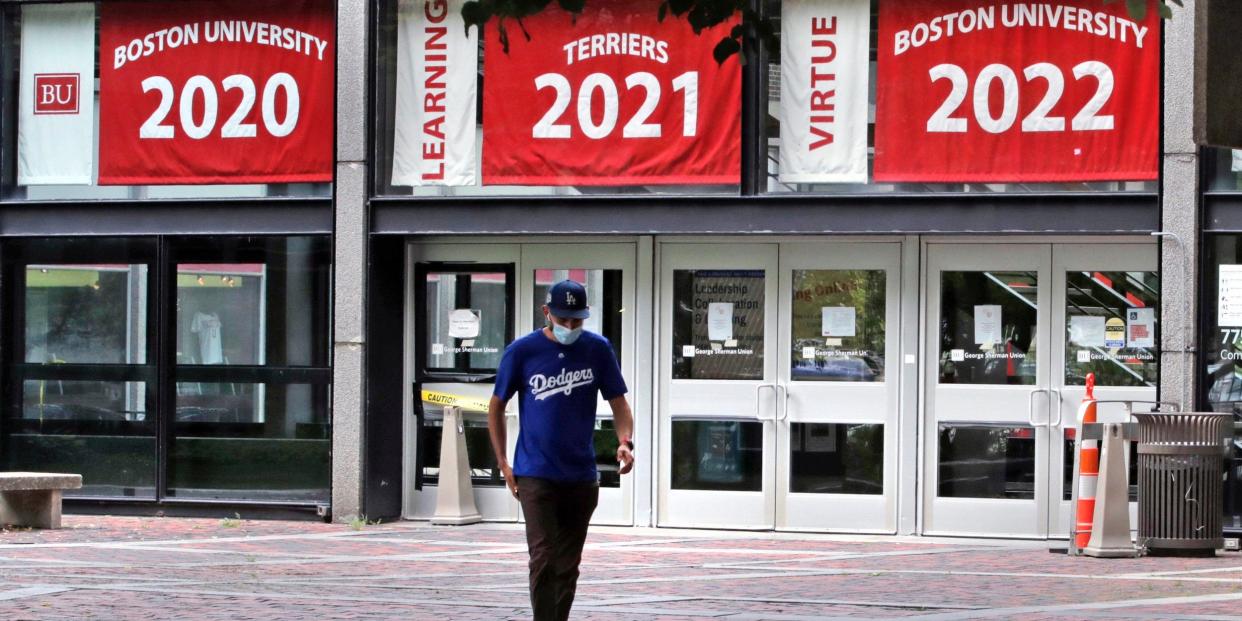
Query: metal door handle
1030	406
759	404
783	402
1060	406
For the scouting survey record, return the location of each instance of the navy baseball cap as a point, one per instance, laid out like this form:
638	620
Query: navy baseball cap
568	299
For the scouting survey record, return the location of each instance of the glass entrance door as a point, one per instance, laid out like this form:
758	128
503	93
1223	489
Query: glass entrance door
838	364
778	407
607	270
1105	315
1014	330
987	414
720	399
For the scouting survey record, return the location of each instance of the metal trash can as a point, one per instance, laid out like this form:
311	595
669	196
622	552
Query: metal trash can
1181	480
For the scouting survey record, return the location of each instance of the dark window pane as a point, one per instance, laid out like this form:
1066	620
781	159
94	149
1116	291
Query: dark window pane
718	324
987	327
100	430
986	461
606	443
718	455
1110	328
838	325
90	314
251	441
836	459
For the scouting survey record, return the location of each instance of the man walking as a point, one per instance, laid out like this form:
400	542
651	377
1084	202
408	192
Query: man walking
558	370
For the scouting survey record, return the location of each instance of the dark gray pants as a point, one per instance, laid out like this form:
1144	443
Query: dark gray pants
557	515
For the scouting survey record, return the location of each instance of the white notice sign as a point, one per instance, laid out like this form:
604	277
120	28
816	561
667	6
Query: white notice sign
1229	309
988	323
464	323
838	321
719	321
1087	331
808	353
1141	327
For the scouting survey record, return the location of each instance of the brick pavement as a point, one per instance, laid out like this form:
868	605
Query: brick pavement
174	568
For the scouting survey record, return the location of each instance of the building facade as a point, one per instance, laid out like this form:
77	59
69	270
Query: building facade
886	332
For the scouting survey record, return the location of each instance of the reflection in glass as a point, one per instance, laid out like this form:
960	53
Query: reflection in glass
718	455
986	461
838	325
988	327
253	441
836	458
88	314
603	296
1110	328
718	320
97	429
467	320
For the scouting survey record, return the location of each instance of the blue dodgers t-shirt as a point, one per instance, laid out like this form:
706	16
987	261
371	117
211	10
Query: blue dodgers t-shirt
557	407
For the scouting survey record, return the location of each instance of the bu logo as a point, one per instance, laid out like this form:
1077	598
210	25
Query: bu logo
56	93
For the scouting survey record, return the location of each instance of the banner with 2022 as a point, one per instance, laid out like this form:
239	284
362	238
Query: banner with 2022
978	91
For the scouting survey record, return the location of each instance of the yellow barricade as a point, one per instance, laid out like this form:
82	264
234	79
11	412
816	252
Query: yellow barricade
471	404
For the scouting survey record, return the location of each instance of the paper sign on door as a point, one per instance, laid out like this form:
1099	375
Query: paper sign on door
464	323
1141	327
988	323
719	321
1087	331
1230	296
838	321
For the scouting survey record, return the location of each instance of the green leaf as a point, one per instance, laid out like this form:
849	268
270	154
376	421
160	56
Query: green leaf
475	13
1137	9
1165	11
727	47
679	7
573	6
662	13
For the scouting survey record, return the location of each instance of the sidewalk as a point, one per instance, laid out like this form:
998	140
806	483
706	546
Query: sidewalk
175	568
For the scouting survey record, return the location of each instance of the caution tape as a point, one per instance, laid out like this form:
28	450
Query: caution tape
473	404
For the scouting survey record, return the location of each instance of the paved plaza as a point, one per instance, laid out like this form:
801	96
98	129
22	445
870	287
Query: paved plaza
175	568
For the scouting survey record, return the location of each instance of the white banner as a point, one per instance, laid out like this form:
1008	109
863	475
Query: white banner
56	109
437	68
824	81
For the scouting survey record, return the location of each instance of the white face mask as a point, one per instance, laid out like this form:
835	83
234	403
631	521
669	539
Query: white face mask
563	335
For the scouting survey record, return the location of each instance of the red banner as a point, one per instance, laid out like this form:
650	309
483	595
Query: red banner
984	91
611	97
233	91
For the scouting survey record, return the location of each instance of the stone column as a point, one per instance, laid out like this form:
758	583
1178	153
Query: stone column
349	280
1179	209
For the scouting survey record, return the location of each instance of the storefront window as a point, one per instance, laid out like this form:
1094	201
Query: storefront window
986	461
1224	169
169	100
570	108
838	325
987	334
247	323
725	455
1111	328
849	109
718	330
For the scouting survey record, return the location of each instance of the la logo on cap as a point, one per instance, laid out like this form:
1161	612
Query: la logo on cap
570	300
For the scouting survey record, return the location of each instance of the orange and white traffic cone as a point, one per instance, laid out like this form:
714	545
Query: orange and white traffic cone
1088	469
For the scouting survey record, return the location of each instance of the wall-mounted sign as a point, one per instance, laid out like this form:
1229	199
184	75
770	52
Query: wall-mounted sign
612	96
232	91
973	90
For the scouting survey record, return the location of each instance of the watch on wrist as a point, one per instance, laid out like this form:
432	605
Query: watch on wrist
628	443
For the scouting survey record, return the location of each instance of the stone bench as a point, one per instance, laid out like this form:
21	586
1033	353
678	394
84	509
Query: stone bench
33	498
